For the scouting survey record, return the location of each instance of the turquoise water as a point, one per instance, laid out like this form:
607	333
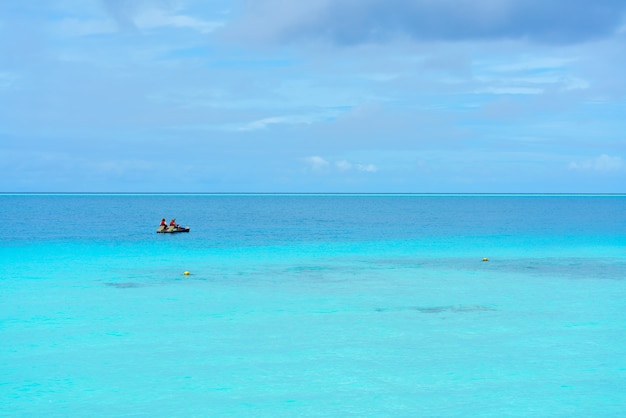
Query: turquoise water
313	305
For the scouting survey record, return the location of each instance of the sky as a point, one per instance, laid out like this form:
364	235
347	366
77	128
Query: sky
313	96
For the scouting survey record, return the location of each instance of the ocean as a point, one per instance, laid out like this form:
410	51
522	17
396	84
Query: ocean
313	306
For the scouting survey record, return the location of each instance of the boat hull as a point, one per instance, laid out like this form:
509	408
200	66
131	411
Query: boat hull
171	230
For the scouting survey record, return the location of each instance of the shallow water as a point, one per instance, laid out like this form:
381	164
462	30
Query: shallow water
313	305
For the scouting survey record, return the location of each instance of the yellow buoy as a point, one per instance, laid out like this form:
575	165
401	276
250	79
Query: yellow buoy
485	259
186	273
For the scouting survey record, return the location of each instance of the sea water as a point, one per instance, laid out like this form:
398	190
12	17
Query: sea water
313	306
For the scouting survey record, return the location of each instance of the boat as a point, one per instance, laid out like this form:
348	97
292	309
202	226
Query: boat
172	229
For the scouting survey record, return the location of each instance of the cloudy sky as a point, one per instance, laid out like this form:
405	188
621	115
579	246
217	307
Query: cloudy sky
390	96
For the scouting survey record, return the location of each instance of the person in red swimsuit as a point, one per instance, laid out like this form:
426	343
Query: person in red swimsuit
173	223
163	223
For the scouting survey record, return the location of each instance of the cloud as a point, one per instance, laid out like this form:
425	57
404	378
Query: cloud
368	168
510	90
602	163
123	12
149	14
312	117
156	18
317	163
343	165
261	124
360	21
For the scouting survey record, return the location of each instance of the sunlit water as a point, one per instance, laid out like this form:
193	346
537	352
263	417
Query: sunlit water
313	305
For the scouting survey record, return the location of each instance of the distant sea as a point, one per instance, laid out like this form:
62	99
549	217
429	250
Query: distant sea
313	306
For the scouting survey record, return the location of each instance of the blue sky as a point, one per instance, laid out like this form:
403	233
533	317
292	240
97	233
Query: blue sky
422	96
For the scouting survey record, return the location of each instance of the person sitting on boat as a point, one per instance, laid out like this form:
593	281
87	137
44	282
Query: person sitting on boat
173	223
163	223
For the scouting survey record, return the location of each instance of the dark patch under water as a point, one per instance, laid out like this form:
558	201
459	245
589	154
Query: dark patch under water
124	285
439	309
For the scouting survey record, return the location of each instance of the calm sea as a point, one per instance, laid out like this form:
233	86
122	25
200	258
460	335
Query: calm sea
313	306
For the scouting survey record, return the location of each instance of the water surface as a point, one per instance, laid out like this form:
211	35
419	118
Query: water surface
313	305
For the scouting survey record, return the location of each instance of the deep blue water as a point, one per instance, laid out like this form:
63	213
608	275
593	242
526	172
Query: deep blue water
313	305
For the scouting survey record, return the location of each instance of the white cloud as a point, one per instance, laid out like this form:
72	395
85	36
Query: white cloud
318	163
301	119
156	18
510	90
534	64
574	83
528	75
602	163
343	165
368	168
150	14
261	124
147	19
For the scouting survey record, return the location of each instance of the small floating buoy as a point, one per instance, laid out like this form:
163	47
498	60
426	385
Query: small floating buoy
186	273
485	259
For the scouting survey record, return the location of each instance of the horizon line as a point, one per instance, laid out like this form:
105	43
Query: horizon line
310	194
